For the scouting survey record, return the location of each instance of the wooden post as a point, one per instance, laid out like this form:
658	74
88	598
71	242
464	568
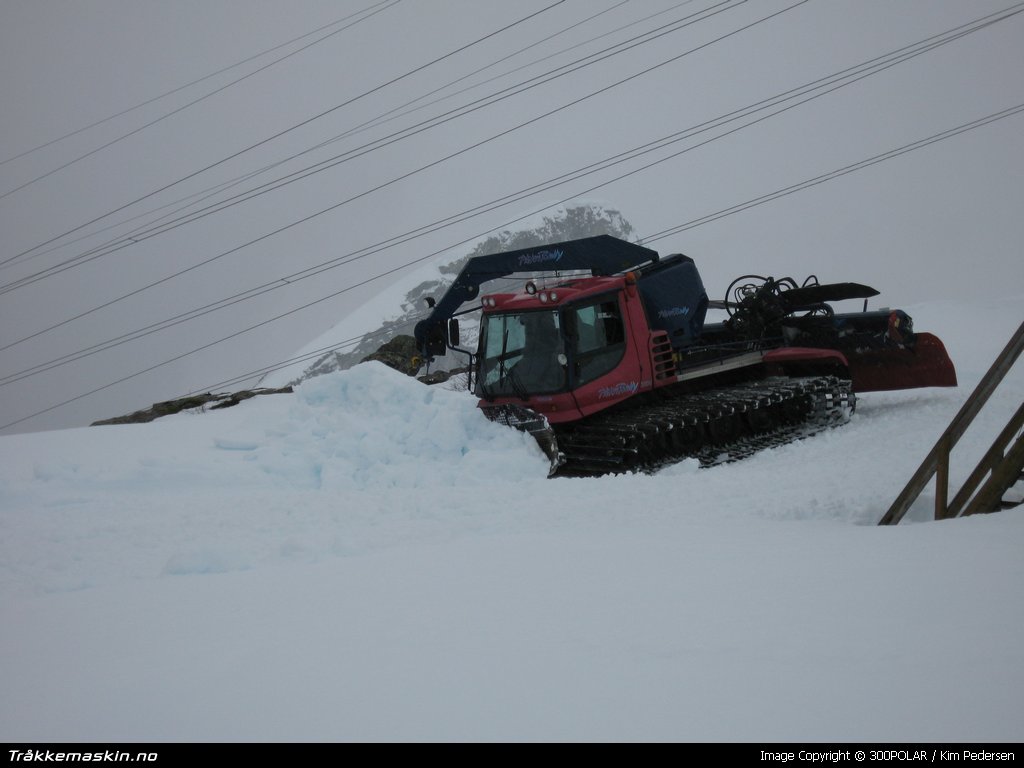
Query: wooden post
942	478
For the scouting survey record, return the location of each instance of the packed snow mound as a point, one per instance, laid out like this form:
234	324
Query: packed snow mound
364	428
372	427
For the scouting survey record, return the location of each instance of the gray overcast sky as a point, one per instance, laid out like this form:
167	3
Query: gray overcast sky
941	223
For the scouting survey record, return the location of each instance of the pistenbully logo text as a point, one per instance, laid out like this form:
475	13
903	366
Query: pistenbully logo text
539	257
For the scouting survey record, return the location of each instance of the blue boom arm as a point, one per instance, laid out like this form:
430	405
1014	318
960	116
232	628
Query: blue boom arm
602	255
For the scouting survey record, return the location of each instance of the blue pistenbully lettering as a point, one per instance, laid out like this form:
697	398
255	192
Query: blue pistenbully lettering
674	312
622	388
539	257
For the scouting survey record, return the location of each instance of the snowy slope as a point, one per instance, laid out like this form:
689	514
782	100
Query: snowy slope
397	308
369	559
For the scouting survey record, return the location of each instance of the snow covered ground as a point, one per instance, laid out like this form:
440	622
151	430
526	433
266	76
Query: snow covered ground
369	559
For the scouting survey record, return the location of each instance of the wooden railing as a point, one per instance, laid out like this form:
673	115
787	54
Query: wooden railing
1001	467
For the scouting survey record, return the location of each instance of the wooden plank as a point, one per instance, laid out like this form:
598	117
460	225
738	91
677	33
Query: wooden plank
956	428
942	480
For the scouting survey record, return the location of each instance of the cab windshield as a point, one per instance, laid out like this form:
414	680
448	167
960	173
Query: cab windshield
522	354
548	351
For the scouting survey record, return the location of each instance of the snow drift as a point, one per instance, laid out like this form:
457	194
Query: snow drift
370	559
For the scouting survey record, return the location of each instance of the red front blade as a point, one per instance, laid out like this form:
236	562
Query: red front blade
926	364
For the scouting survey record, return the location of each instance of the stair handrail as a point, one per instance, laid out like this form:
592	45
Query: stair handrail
936	463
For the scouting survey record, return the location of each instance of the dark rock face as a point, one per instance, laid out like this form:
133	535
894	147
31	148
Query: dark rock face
206	400
400	353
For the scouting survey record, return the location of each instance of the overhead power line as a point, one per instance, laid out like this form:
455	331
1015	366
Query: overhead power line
404	176
183	107
197	197
835	174
190	200
279	134
941	136
306	356
164	225
179	88
1009	112
796	96
408	108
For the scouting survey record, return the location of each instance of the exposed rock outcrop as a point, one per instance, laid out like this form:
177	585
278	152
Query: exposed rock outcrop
400	353
207	400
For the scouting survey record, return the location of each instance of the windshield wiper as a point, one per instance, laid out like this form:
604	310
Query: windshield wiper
517	384
501	357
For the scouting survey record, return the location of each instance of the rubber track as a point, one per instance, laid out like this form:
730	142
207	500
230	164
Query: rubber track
715	427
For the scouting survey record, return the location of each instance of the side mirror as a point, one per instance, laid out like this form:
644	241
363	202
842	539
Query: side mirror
453	332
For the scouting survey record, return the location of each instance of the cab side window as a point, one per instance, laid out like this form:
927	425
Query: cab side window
599	339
